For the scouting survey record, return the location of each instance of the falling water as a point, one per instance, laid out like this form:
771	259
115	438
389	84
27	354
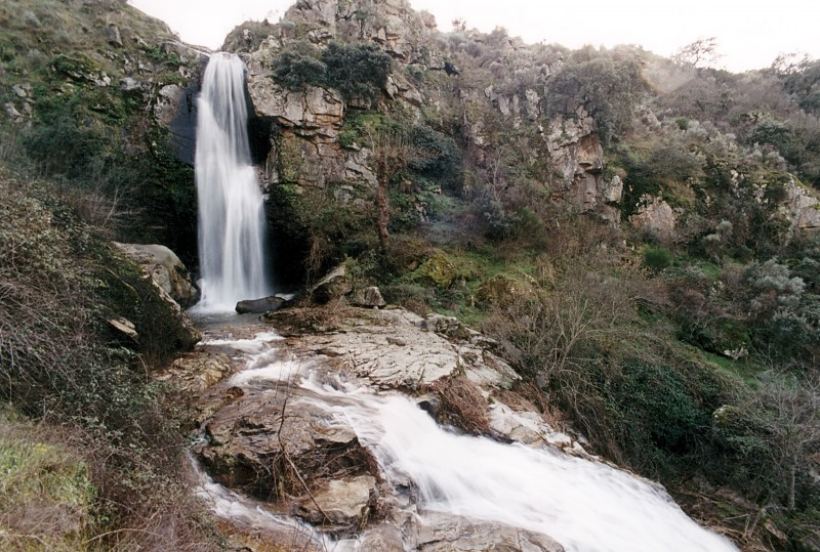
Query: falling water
585	505
231	206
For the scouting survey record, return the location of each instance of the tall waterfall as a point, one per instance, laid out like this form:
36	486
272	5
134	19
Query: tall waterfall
231	207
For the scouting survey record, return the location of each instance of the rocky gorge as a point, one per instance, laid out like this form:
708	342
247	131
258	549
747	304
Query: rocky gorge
504	296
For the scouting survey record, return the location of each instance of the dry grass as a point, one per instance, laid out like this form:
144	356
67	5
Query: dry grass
462	405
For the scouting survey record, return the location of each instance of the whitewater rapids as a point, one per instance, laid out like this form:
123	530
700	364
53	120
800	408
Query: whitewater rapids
585	505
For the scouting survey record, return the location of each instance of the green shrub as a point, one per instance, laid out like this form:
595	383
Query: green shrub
296	70
657	259
356	70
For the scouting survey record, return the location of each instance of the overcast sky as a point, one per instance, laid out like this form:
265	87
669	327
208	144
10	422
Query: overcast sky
750	33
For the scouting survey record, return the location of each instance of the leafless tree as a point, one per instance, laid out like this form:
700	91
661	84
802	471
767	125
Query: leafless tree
701	52
392	152
789	413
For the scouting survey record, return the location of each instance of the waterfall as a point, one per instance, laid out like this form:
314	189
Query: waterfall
231	206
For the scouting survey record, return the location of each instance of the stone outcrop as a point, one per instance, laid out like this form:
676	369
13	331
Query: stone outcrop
803	207
315	110
656	218
280	443
448	534
165	269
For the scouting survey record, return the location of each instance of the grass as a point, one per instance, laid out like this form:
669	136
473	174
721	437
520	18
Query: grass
46	493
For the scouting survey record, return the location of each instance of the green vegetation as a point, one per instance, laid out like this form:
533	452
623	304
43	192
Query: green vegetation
46	494
358	71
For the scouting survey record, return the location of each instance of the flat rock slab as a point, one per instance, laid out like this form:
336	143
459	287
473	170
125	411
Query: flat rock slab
394	348
444	533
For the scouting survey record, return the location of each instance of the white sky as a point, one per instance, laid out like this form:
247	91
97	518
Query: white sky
751	33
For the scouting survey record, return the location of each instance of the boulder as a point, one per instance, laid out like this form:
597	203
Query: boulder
333	286
286	462
260	306
444	533
165	269
113	36
343	501
125	327
368	298
655	217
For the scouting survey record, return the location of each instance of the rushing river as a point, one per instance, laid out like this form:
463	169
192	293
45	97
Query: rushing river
585	505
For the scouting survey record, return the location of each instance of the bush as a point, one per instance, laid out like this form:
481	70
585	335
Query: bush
657	259
296	70
607	85
356	70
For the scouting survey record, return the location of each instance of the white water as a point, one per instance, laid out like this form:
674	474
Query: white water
231	206
586	506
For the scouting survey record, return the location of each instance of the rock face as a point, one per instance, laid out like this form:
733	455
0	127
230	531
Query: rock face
314	109
655	217
165	269
803	208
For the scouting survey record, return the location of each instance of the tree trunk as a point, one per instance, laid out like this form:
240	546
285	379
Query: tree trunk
792	485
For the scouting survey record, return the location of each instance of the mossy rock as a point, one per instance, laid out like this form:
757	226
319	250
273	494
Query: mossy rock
440	270
499	290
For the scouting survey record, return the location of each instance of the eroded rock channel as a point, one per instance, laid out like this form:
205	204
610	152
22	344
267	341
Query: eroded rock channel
356	429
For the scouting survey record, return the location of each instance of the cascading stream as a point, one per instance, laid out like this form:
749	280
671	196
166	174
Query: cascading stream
231	206
586	506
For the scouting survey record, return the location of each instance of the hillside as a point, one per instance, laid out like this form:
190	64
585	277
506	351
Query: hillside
639	236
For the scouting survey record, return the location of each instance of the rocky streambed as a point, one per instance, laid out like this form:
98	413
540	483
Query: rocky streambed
356	429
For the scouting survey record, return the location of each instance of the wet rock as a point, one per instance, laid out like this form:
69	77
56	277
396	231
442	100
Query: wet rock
368	298
251	447
165	269
260	306
384	538
443	533
341	502
393	347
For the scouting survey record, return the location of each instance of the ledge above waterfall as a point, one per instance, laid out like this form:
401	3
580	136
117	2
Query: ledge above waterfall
313	108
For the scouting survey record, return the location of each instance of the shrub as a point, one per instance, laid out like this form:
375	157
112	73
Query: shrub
608	86
657	259
296	70
356	70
